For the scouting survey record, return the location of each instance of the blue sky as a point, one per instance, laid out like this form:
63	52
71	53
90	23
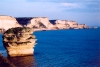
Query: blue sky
82	11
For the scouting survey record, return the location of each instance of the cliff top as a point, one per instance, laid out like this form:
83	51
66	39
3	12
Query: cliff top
7	17
19	29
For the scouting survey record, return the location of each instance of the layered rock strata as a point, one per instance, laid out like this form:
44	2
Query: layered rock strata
19	41
65	24
61	24
41	23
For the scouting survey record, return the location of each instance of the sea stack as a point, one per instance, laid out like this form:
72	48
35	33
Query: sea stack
19	41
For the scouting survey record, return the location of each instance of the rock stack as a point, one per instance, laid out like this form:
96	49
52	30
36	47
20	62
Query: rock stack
19	41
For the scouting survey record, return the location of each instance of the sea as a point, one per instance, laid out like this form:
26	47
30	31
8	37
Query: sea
62	48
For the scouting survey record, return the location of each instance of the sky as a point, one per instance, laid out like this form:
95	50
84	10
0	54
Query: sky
81	11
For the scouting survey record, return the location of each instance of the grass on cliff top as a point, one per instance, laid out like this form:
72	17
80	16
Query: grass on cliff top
4	62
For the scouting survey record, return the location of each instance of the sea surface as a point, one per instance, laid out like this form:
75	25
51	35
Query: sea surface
62	48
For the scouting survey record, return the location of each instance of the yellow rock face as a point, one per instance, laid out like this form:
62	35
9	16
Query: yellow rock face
19	41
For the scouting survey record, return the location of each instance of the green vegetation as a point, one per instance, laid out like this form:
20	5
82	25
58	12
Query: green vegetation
4	62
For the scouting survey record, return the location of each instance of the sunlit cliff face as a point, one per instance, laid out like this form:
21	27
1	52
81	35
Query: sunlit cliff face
7	22
19	41
40	22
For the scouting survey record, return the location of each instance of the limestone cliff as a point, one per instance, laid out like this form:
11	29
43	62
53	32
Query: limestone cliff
65	24
72	24
7	22
19	41
61	24
40	23
43	23
82	26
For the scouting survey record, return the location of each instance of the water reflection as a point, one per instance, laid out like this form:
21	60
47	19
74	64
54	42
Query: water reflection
27	61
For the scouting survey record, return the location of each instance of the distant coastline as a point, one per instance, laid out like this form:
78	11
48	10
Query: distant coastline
39	23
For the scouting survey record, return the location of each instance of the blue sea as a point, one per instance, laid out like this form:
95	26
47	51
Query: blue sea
62	48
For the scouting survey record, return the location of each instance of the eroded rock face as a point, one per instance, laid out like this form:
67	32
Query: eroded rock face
82	26
72	24
65	24
40	23
43	23
19	41
61	24
7	22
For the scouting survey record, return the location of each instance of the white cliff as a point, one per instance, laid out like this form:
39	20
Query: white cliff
72	24
61	24
65	24
7	22
82	26
41	23
38	23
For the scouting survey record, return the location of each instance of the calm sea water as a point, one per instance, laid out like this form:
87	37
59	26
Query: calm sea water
62	48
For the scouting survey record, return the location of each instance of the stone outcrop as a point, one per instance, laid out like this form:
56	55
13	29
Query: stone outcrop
72	24
65	24
61	24
82	26
19	41
7	22
41	23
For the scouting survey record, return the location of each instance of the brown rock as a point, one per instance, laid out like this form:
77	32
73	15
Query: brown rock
19	41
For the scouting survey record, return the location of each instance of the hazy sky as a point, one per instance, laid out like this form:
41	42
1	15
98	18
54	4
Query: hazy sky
82	11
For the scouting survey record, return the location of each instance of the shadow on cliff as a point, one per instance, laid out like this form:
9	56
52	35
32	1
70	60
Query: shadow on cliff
26	61
23	20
